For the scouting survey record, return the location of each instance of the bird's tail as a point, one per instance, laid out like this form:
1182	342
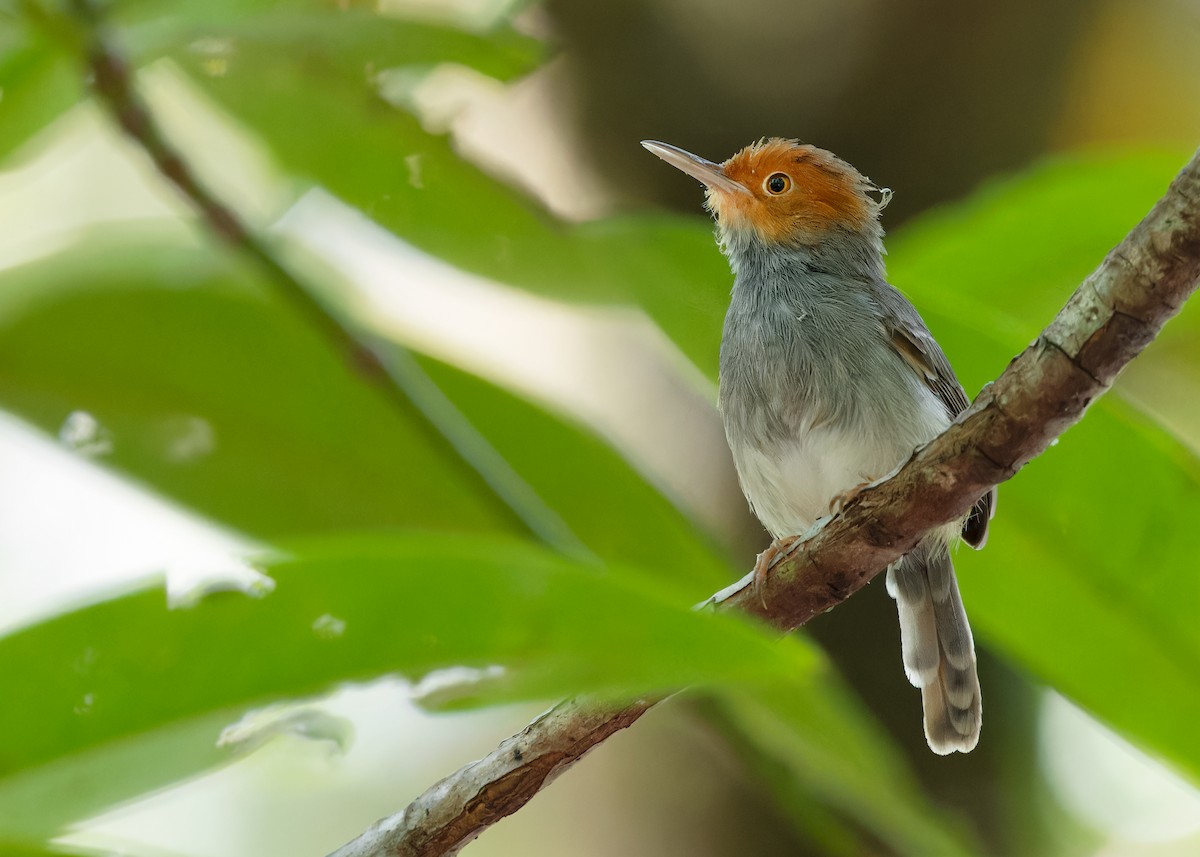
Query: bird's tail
939	653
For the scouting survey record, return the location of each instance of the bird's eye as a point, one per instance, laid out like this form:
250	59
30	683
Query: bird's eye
777	183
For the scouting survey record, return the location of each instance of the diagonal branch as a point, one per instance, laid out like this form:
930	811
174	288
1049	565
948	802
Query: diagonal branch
1109	319
394	373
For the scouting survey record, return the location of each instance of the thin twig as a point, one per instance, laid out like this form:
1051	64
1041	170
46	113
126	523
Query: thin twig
1109	319
394	372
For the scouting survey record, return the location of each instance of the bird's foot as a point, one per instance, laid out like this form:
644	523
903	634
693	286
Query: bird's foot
775	551
841	500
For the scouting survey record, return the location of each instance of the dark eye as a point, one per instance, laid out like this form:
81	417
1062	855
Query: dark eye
778	183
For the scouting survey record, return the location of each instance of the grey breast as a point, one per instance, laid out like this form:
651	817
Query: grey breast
803	346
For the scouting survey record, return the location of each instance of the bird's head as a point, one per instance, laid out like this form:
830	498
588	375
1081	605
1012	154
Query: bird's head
784	192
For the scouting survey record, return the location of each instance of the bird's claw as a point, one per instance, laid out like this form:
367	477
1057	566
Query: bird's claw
767	560
840	501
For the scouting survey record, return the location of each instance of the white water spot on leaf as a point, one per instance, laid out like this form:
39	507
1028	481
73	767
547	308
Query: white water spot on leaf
214	54
85	705
215	66
82	433
1054	442
258	727
204	576
413	162
211	46
261	587
446	686
84	663
328	627
189	438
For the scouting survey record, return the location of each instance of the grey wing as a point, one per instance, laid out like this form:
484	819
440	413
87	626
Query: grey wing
913	342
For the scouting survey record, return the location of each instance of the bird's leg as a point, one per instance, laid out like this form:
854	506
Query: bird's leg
766	561
781	546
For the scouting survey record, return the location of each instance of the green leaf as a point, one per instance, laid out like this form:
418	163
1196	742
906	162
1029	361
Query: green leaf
362	154
37	85
1164	383
40	801
319	39
17	849
365	151
344	610
606	503
159	338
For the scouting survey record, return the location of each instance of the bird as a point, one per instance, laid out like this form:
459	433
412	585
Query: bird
829	380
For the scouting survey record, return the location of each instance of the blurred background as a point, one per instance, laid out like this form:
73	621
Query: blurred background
254	596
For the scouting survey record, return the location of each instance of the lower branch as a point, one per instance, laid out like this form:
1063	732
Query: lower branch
1109	319
454	811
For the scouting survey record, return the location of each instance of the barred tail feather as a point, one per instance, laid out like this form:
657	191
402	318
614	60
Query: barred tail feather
939	652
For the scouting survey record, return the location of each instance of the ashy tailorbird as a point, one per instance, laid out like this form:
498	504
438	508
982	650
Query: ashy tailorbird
829	380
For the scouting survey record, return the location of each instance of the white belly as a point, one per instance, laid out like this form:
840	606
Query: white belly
792	483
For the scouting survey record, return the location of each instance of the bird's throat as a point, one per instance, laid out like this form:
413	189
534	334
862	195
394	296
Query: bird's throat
843	255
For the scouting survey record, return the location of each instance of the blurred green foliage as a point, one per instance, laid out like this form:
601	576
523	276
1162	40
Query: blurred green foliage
1087	583
305	445
345	610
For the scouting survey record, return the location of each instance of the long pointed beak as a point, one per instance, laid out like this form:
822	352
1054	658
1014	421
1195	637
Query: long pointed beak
708	173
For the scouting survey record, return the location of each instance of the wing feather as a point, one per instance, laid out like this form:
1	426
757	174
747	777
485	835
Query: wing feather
917	347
